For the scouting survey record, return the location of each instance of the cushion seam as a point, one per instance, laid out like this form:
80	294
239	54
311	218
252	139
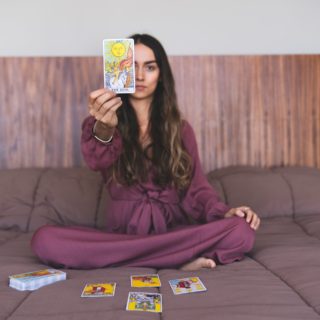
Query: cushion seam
36	188
19	305
287	284
291	192
14	238
304	229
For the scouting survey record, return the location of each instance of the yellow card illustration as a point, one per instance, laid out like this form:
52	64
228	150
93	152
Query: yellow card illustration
93	290
145	280
119	69
144	301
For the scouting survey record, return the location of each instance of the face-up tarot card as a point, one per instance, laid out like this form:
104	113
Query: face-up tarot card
145	280
94	290
187	285
118	61
144	301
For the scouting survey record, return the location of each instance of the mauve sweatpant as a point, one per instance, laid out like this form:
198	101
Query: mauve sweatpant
224	240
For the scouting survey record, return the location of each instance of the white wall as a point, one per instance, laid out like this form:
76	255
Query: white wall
185	27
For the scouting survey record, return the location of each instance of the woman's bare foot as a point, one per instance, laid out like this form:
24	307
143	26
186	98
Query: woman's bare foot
198	264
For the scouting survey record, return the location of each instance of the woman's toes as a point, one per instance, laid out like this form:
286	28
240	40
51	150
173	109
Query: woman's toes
198	264
210	264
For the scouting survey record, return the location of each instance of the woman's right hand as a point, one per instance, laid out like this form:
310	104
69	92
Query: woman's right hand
103	104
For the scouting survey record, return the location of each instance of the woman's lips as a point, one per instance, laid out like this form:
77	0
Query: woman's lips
140	88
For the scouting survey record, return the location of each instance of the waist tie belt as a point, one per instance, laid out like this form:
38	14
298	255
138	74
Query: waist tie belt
151	212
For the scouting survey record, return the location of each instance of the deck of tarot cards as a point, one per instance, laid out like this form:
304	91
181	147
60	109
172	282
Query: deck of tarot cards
36	279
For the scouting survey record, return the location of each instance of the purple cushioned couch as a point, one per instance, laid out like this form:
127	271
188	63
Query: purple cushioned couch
279	279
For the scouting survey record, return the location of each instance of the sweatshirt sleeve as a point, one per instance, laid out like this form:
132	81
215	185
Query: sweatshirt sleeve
99	155
200	201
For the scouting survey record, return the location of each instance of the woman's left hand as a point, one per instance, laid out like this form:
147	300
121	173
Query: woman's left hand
246	213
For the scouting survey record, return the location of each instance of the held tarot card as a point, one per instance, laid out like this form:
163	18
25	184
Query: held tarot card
118	61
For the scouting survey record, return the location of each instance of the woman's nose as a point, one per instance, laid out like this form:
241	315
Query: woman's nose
139	73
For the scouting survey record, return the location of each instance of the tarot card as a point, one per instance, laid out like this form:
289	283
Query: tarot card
145	280
187	285
144	301
36	279
118	61
95	290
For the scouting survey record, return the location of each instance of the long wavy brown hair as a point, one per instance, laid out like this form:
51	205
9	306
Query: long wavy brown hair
170	162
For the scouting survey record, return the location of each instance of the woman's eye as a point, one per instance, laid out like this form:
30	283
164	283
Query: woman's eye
150	68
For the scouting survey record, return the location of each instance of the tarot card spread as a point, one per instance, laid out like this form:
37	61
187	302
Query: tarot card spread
119	69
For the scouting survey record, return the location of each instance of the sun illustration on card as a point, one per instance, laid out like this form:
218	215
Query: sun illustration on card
118	49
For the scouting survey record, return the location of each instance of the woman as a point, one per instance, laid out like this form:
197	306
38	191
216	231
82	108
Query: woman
149	159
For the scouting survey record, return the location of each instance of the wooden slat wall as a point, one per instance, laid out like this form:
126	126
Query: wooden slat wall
255	110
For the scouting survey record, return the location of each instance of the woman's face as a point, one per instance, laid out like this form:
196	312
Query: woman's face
147	72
